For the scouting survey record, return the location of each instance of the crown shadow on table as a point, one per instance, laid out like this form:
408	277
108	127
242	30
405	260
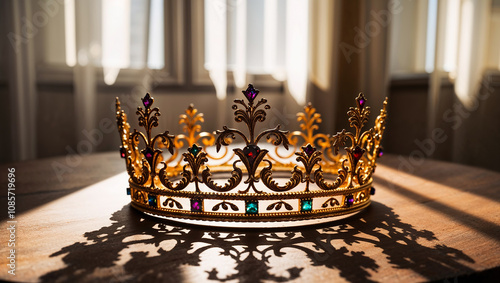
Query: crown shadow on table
252	252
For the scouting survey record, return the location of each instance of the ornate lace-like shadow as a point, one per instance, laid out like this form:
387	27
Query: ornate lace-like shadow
169	249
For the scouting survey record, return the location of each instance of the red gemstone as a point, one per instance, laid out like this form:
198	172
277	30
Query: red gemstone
250	92
309	150
122	152
358	153
148	154
251	152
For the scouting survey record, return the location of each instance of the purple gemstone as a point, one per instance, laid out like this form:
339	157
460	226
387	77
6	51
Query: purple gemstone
122	152
148	154
357	153
250	92
251	151
349	200
196	205
309	150
361	103
147	100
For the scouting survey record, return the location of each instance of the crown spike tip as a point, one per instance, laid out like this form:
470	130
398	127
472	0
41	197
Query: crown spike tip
148	100
250	93
118	104
361	100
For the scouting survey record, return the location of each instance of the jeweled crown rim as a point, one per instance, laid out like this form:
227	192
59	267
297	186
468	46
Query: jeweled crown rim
160	192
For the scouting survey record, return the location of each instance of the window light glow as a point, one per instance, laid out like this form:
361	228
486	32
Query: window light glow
115	38
69	30
451	35
431	35
156	44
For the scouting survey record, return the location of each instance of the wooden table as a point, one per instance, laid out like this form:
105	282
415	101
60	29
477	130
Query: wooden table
441	221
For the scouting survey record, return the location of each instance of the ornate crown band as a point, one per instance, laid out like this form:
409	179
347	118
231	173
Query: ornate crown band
257	182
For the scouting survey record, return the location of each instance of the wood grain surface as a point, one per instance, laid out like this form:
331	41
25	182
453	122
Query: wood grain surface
433	221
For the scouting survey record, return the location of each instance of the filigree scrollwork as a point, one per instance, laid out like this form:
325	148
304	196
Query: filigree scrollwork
129	150
195	159
171	202
233	182
310	120
250	114
139	196
278	205
358	117
310	158
361	196
332	202
267	179
342	176
225	206
192	121
148	118
372	143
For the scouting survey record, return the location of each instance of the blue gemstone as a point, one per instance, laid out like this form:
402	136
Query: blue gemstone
152	200
372	191
128	191
349	201
306	205
252	207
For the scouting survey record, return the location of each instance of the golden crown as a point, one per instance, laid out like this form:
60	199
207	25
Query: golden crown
310	179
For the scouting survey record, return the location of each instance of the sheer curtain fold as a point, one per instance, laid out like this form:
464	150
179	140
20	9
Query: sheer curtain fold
216	45
257	37
472	48
349	55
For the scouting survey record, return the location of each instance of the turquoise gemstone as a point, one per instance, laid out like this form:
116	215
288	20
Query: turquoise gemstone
152	200
306	205
194	150
252	206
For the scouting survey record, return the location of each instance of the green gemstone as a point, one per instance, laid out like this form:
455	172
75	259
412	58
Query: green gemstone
306	205
252	206
194	150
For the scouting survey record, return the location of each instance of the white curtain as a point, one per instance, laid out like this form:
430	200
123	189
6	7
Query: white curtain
472	47
461	51
257	37
455	39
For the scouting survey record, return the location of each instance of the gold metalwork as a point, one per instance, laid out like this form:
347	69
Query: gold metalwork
310	124
192	121
335	183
